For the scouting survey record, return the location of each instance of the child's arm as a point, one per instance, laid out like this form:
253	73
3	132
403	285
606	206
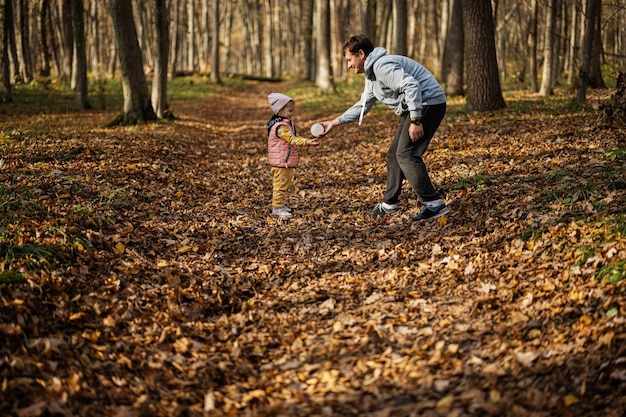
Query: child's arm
285	134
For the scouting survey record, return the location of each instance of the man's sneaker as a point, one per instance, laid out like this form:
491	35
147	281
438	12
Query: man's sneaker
381	210
432	213
281	212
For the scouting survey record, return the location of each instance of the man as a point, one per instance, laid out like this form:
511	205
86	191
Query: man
409	89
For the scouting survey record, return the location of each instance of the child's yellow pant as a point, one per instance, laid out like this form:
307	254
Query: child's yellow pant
281	183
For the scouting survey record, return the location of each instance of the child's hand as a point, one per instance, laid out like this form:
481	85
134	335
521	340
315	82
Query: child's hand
314	142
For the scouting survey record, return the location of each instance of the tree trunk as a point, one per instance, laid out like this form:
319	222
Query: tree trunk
367	18
532	47
42	23
23	42
549	54
454	51
483	82
161	59
5	81
595	67
96	52
78	18
572	53
68	39
583	77
400	26
215	43
137	105
322	31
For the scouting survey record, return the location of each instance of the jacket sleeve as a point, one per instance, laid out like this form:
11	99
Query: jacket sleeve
354	112
285	134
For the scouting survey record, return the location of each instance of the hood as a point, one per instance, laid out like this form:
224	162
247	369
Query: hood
372	58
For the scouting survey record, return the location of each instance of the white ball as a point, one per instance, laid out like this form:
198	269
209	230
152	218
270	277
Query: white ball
317	129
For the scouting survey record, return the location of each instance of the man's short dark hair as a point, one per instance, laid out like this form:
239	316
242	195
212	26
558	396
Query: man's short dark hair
357	43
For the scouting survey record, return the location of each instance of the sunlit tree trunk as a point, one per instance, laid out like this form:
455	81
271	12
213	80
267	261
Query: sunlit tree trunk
532	47
483	82
549	53
215	43
94	50
574	45
161	59
191	32
23	41
322	32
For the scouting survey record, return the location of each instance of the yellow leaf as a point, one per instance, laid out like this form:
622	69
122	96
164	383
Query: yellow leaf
179	194
442	220
120	247
184	249
570	400
586	320
445	403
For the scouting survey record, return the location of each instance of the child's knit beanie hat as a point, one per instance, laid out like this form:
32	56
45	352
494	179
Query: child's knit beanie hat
277	101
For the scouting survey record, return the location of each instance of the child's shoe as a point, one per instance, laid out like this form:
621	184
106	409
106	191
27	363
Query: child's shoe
281	212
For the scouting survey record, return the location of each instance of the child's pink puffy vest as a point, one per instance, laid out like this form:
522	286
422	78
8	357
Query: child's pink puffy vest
281	154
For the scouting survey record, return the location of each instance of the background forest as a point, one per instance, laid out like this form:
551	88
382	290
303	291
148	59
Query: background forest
538	44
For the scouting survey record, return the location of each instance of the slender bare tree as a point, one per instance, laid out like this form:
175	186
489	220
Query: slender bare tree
161	59
5	76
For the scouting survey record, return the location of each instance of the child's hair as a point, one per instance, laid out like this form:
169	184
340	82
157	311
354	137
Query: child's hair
357	43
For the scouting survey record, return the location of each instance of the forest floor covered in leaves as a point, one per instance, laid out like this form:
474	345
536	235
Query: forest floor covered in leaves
143	275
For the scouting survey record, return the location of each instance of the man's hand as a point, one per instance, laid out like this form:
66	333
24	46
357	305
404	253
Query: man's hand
329	125
416	132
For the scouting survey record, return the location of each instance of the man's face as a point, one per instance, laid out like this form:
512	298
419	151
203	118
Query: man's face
356	61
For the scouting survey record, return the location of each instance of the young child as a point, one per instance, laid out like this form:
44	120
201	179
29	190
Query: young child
283	155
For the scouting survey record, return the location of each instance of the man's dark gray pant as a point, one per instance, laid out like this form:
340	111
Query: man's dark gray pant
404	160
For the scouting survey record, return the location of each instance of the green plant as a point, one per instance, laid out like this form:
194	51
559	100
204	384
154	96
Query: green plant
10	277
476	181
612	273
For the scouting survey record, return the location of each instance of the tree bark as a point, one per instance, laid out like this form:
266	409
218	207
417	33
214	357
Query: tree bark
532	47
454	52
549	54
583	77
78	18
483	82
5	81
161	59
595	67
42	20
322	31
137	105
400	26
215	43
